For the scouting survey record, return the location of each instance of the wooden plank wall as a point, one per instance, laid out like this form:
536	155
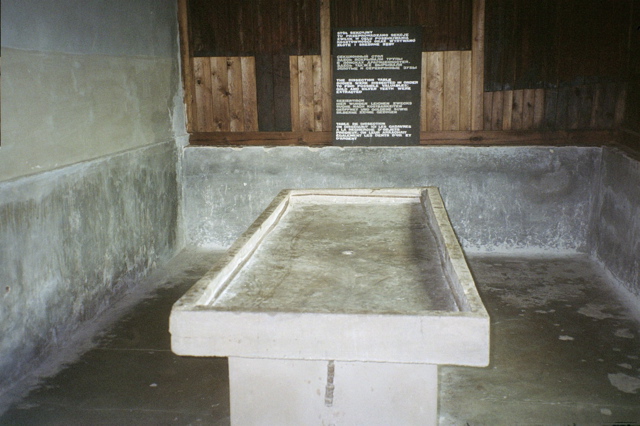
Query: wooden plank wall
249	28
446	24
308	112
272	92
596	106
265	66
226	98
551	43
446	91
554	65
632	112
225	93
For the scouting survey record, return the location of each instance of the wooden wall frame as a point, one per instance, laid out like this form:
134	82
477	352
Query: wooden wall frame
488	110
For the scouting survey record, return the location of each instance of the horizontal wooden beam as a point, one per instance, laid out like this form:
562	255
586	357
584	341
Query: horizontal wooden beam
262	138
469	138
520	137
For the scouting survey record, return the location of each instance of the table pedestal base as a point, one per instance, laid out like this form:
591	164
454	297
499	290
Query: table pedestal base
301	392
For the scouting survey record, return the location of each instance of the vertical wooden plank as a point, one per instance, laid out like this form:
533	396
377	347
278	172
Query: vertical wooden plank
528	108
465	90
249	99
435	90
477	65
442	36
317	92
580	107
203	98
454	24
264	91
596	106
495	39
550	108
621	102
609	105
496	110
425	13
538	109
585	106
325	52
236	107
465	36
574	98
632	91
247	26
188	80
218	33
507	109
424	124
278	39
295	93
281	93
510	45
219	90
516	114
562	112
451	90
305	66
487	110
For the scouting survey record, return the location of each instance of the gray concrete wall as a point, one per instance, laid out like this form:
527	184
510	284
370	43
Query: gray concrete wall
72	240
89	195
84	79
96	27
615	238
499	199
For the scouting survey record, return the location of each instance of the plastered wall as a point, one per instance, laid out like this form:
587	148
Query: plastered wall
84	79
89	195
75	239
615	237
499	199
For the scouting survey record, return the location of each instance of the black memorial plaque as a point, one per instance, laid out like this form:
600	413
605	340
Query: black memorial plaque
376	75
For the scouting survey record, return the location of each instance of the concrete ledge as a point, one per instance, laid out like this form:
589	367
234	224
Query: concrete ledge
498	198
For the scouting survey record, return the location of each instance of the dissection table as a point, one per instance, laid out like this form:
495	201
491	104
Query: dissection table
336	307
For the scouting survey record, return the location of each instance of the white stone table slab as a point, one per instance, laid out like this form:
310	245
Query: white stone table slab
335	307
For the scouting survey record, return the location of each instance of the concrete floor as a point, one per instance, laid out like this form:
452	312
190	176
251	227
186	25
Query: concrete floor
564	348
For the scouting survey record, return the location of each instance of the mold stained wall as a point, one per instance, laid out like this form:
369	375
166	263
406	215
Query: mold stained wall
92	124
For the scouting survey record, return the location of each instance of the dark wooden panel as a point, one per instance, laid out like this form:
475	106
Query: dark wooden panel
247	28
550	109
446	23
264	93
604	109
593	38
583	98
550	43
631	142
273	93
281	93
632	110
